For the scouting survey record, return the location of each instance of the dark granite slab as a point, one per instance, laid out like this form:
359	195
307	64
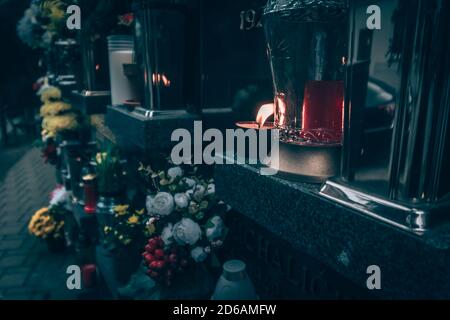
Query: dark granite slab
135	130
93	103
412	266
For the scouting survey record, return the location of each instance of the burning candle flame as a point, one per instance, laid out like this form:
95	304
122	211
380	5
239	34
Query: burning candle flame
281	109
264	113
158	78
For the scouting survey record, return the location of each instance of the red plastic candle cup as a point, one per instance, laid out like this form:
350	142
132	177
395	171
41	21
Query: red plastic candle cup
90	193
323	110
89	274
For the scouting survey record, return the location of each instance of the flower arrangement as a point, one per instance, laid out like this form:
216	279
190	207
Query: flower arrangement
127	229
41	22
47	223
55	13
186	220
30	29
54	108
49	94
60	123
59	197
126	19
57	115
109	172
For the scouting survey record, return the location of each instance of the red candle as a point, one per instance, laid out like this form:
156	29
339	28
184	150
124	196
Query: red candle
89	273
90	193
323	110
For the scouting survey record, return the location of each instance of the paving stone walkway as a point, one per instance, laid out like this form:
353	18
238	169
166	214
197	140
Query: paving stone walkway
27	269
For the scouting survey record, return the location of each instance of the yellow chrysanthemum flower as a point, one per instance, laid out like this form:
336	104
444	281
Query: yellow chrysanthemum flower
121	209
151	229
51	93
100	157
140	212
133	219
42	224
61	123
54	108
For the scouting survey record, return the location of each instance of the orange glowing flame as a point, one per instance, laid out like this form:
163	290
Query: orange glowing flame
264	113
161	79
281	108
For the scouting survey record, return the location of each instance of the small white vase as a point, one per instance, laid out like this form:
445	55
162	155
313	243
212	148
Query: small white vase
234	283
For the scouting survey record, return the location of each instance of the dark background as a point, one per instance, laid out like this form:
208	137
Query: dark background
19	66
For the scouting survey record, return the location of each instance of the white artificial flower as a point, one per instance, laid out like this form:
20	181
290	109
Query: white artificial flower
190	194
189	182
59	197
199	193
187	232
199	254
194	207
211	189
174	173
167	235
181	200
214	228
162	204
151	221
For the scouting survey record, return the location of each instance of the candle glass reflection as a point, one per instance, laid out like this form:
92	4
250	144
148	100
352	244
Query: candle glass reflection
307	48
90	192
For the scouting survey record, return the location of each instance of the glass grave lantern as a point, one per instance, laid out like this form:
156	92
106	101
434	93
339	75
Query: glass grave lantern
65	59
235	69
167	49
396	155
121	54
306	43
95	63
93	94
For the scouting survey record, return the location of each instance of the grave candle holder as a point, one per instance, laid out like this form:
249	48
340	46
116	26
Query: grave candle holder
121	53
306	43
90	192
397	138
167	53
93	96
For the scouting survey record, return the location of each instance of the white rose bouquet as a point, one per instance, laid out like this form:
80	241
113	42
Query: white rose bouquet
187	220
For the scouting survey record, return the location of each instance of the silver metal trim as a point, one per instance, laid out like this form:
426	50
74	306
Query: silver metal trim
417	220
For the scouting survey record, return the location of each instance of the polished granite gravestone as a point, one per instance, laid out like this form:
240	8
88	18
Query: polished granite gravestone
151	131
331	237
140	129
90	102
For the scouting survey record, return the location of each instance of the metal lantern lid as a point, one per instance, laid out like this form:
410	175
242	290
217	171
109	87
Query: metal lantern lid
307	10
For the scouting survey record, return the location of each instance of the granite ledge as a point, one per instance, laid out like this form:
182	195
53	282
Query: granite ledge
412	266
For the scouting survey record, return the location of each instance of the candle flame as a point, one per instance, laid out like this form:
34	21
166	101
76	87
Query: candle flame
281	109
158	78
264	113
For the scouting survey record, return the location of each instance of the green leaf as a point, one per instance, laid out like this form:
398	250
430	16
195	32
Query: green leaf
209	224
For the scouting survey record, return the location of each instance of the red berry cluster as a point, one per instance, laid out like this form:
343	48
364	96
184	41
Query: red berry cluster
163	263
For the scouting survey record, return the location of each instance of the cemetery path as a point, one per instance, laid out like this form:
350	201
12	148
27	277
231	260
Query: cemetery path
27	269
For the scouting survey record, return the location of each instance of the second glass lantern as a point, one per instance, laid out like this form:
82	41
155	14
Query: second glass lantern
307	42
167	52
